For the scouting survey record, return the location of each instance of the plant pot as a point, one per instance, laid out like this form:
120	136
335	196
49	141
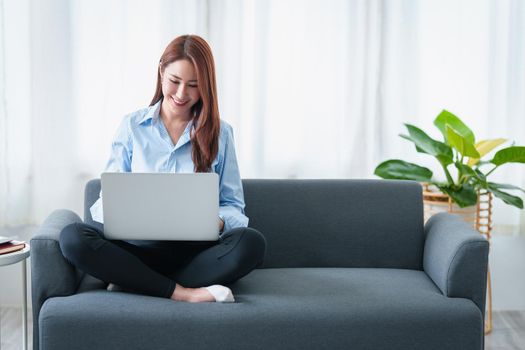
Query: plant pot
479	216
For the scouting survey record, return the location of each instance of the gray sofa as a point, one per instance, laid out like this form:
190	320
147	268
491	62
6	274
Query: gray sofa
349	265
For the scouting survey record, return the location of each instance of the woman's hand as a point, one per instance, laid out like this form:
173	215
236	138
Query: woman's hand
221	225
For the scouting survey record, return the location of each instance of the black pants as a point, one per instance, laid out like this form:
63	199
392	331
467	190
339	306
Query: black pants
153	267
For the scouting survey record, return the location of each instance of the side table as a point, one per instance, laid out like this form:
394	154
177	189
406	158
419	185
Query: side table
13	258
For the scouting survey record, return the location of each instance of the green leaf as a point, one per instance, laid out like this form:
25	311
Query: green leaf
482	178
446	118
513	154
483	147
506	197
425	144
460	143
465	169
482	162
464	196
505	186
401	170
406	137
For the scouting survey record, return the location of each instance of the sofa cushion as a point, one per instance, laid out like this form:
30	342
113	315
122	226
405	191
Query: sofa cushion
301	308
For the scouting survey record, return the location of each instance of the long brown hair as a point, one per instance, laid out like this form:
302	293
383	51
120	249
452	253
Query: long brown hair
205	138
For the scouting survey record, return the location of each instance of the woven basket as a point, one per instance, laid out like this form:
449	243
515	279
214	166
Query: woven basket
479	216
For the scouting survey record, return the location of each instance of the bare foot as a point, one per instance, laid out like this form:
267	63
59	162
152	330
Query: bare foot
192	295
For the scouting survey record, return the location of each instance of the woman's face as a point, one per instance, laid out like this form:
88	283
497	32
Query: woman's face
179	87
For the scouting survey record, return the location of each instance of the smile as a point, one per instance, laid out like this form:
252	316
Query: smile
179	103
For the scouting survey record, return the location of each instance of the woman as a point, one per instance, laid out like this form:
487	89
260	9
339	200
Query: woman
179	132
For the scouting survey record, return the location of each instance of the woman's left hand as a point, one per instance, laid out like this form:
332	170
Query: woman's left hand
221	225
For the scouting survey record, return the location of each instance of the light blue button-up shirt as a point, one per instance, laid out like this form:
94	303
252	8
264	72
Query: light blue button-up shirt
142	144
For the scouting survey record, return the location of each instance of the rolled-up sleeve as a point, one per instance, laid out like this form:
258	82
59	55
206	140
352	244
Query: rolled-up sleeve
231	197
119	161
121	149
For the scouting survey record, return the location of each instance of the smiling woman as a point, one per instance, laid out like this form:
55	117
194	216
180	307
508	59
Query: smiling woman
180	132
181	94
186	61
179	84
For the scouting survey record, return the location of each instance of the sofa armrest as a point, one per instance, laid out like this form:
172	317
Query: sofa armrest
456	258
51	274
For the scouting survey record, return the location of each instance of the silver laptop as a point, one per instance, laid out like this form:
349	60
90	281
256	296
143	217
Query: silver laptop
161	206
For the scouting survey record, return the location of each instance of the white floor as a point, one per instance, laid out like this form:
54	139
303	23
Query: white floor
507	263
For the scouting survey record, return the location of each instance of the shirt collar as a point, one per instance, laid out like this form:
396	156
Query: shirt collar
185	137
153	112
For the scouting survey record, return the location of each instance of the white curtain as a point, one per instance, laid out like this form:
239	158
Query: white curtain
314	89
15	113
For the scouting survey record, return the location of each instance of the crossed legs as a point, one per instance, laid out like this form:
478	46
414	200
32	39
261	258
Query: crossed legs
163	268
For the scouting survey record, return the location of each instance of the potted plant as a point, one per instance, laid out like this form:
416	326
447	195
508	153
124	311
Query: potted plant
458	154
461	155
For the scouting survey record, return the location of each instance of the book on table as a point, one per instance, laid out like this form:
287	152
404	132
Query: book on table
9	245
6	239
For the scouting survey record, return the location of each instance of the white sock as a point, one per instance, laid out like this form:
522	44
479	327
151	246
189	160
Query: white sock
221	294
114	288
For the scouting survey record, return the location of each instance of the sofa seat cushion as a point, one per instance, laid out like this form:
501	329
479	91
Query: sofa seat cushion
292	308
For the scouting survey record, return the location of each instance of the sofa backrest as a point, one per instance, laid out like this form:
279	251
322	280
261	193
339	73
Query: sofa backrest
338	223
331	223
